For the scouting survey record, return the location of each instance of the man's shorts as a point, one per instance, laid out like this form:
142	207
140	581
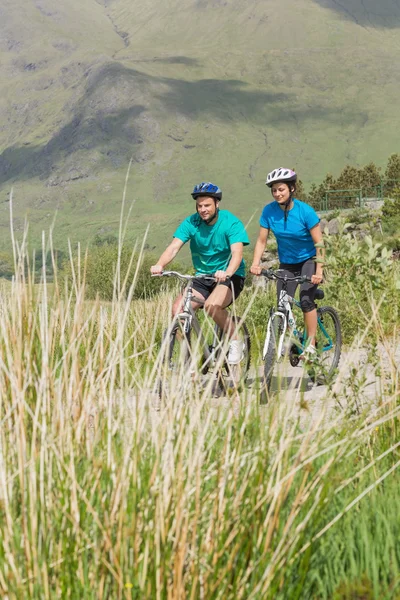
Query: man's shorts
206	287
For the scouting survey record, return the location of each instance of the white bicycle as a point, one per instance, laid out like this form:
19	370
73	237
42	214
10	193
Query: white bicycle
282	326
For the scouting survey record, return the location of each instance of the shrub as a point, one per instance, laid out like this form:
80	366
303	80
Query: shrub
358	274
391	206
101	265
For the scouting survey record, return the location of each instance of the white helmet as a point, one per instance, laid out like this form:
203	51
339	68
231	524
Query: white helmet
279	175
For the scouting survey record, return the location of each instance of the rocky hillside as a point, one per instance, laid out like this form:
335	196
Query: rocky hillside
212	89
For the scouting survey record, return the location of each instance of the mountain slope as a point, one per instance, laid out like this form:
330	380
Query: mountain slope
210	89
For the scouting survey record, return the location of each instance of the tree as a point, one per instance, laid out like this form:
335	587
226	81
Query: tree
392	173
301	193
370	176
349	178
316	196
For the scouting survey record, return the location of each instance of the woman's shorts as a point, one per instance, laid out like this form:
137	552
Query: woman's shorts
307	290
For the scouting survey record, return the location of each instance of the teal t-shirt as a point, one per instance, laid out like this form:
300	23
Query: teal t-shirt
210	245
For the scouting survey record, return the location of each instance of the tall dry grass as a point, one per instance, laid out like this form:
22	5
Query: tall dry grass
105	494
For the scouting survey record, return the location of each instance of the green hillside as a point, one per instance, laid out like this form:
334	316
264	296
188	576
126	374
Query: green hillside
221	90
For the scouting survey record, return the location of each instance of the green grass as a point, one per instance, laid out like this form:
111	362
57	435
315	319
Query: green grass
102	496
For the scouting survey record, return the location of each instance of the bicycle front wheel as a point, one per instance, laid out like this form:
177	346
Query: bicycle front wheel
328	343
175	358
270	358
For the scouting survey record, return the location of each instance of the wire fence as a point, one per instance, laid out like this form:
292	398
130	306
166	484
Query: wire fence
356	197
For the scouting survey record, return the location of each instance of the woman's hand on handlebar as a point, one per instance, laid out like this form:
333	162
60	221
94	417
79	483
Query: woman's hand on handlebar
317	278
255	269
156	270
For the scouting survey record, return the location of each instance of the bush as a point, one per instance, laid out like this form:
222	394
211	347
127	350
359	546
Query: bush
358	274
101	265
391	206
360	215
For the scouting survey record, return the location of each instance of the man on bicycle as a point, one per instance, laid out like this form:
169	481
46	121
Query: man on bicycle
216	240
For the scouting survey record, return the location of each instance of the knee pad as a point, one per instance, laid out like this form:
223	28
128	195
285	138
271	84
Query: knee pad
307	305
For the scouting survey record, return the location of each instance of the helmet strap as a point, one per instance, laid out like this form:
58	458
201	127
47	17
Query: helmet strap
288	202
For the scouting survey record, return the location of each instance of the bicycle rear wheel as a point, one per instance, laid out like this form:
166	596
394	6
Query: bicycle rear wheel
234	375
328	343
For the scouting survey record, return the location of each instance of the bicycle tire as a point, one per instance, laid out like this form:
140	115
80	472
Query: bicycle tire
270	359
176	356
237	374
328	358
196	352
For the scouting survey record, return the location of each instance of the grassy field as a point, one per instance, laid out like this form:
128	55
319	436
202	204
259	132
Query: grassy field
214	91
104	496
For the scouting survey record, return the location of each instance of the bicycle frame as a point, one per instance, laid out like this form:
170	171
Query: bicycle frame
285	313
188	316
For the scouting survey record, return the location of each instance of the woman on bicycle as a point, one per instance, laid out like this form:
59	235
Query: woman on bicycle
300	244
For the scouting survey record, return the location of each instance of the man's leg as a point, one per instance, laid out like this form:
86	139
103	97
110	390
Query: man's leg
177	306
215	307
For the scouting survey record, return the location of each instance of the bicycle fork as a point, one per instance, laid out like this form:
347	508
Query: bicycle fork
270	329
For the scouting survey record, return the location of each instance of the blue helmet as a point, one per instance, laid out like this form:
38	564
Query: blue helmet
207	189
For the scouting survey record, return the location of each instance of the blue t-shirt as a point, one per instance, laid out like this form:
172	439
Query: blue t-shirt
293	236
210	245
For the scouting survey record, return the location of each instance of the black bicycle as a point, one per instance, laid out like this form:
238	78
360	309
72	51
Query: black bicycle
190	349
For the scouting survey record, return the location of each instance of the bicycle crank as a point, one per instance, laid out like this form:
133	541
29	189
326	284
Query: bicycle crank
294	357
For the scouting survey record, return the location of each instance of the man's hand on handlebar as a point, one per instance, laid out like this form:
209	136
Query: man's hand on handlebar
255	269
220	276
156	270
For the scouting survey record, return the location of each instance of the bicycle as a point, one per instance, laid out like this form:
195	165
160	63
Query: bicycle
282	321
182	353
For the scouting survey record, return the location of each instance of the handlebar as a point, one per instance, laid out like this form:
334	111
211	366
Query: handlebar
270	274
184	277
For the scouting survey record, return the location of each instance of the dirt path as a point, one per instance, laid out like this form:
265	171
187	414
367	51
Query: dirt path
359	385
363	382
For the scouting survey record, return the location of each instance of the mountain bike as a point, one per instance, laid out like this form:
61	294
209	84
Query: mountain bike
283	336
188	350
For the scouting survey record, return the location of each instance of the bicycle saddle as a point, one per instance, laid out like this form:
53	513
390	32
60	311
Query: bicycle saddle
319	294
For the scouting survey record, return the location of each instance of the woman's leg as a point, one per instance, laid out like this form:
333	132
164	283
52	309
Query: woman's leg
307	296
310	321
291	286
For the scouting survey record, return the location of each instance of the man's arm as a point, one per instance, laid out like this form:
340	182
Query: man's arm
234	263
167	256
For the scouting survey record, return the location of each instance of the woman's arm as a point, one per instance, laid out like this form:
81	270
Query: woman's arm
318	240
258	250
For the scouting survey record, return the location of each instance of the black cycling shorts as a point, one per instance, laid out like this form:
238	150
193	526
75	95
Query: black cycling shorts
307	290
206	287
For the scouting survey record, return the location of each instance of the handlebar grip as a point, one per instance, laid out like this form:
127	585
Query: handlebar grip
267	273
212	277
